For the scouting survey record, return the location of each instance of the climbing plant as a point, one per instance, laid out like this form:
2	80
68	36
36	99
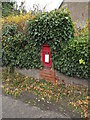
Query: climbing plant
21	49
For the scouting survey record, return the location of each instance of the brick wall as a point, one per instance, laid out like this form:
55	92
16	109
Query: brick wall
48	74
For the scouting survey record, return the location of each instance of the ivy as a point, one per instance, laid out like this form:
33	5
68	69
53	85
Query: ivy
69	54
74	60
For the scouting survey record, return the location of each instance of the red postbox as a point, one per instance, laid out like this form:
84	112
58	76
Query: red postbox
46	56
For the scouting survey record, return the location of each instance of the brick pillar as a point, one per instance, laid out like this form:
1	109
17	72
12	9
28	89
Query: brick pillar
47	74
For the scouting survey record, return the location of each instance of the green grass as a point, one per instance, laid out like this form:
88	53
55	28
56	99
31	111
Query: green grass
76	96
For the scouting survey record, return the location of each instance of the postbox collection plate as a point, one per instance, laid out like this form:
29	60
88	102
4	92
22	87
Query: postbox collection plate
46	56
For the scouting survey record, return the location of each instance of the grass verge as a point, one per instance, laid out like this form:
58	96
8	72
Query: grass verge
75	96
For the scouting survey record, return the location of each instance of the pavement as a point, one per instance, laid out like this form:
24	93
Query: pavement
13	108
69	80
18	108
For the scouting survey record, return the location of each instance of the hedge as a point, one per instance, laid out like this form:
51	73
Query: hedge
11	43
74	60
48	27
16	50
20	20
54	28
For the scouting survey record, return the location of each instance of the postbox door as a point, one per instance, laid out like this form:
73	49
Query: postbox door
46	56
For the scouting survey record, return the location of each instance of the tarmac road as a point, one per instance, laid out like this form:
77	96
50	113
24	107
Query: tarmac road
12	108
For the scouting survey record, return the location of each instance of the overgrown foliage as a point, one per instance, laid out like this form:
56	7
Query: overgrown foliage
69	54
12	42
74	58
54	28
20	20
48	27
8	9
